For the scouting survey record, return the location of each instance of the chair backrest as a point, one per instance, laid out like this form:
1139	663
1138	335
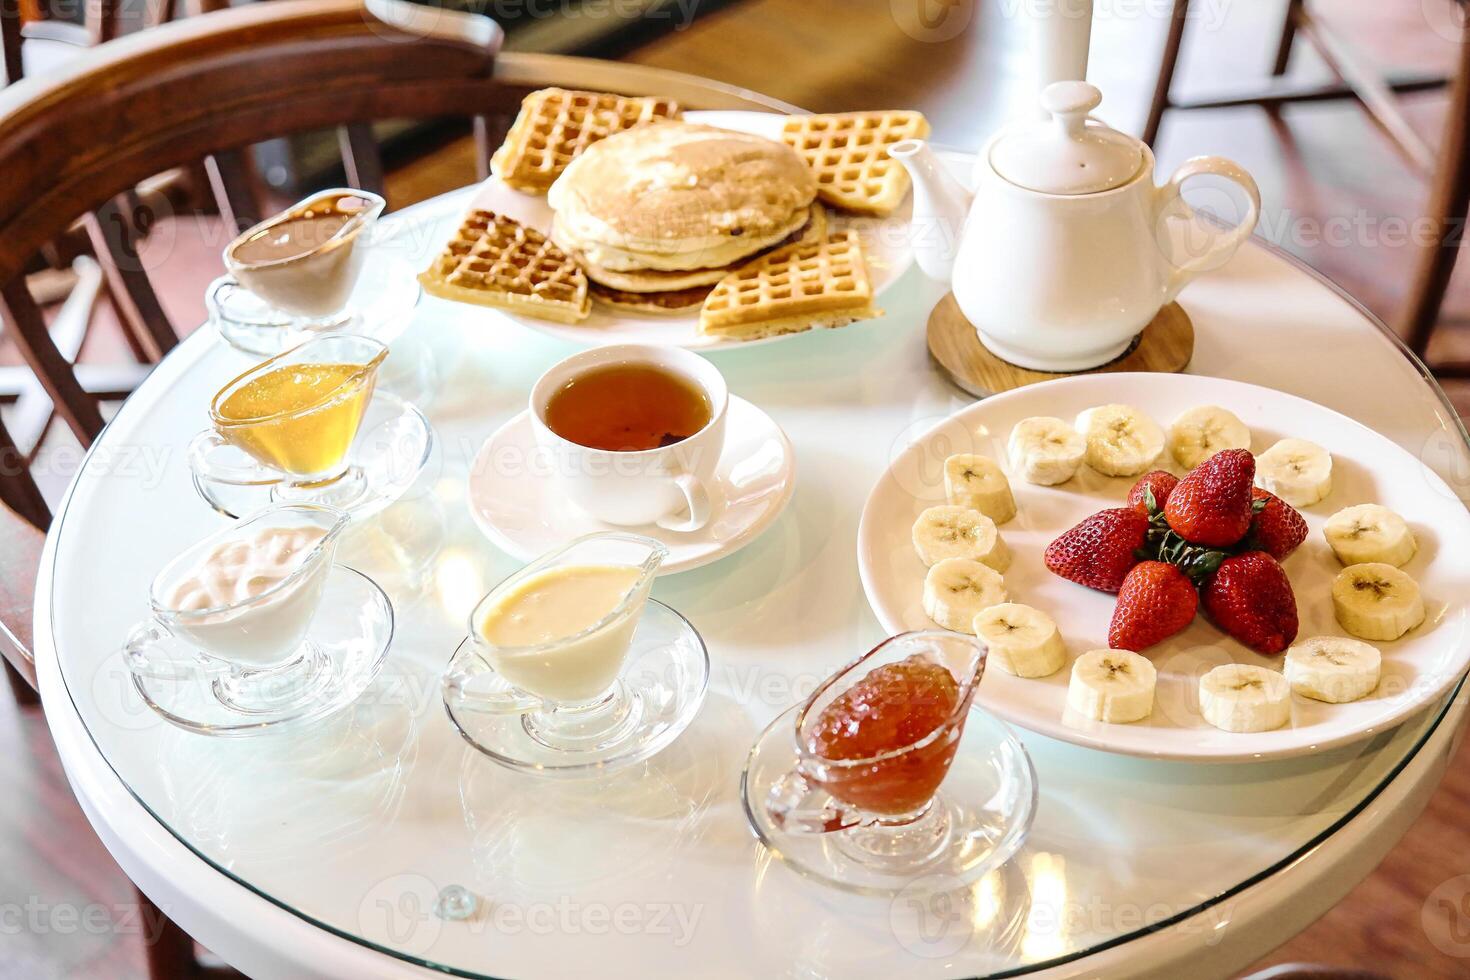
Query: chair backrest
172	96
76	143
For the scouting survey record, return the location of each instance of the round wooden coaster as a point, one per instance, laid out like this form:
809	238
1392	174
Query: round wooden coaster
1165	345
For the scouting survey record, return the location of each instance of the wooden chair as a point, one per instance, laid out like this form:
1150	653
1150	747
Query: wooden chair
1448	171
34	44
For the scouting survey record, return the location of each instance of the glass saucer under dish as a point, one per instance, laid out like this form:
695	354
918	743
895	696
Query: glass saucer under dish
664	682
345	649
380	307
392	448
988	800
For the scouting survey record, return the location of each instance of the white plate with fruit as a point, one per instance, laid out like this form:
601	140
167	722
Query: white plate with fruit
1379	602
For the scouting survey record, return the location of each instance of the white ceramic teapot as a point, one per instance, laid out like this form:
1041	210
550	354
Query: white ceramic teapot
1069	248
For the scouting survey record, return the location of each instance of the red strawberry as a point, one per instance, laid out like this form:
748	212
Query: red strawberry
1212	504
1161	484
1099	552
1277	528
1251	599
1156	601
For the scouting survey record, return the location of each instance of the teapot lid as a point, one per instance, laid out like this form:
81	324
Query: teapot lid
1068	153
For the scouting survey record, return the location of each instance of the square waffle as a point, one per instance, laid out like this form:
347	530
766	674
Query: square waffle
810	284
848	153
555	125
494	261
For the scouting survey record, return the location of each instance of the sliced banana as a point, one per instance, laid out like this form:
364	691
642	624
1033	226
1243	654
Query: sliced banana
1333	668
978	482
1112	685
1370	533
1022	640
1376	601
956	590
1297	471
1046	451
1245	698
1121	440
948	531
1204	431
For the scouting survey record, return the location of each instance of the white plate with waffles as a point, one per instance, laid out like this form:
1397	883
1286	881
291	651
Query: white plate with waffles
885	244
1367	468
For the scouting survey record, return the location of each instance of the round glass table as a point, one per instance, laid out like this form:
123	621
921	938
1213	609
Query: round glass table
378	843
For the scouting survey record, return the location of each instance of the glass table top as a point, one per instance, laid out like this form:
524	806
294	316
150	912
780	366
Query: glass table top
358	824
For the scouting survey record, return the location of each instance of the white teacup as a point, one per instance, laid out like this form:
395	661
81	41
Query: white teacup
668	486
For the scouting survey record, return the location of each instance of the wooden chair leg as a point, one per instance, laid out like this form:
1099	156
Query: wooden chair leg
25	695
483	147
10	41
170	951
360	157
1449	201
28	330
161	12
1288	36
1167	64
115	241
232	179
102	19
18	489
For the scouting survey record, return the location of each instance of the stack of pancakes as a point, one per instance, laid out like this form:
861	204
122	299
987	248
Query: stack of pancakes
658	214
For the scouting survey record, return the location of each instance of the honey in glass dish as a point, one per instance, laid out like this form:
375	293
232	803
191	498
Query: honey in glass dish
627	408
300	418
901	717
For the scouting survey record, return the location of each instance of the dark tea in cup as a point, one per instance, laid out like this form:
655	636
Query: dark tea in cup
627	408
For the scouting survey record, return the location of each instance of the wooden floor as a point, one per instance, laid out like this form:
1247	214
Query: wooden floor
1320	168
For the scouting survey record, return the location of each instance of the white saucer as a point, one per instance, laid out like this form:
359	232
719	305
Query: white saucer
512	500
380	307
349	638
392	448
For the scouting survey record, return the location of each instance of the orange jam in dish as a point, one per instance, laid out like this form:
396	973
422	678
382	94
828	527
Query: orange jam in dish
891	708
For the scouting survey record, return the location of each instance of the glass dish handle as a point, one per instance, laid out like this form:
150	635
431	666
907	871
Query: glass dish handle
209	460
467	688
793	808
146	656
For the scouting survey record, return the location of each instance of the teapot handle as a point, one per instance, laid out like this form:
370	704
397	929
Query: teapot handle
1221	246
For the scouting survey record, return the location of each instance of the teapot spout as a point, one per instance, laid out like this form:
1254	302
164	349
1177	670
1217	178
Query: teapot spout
941	204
